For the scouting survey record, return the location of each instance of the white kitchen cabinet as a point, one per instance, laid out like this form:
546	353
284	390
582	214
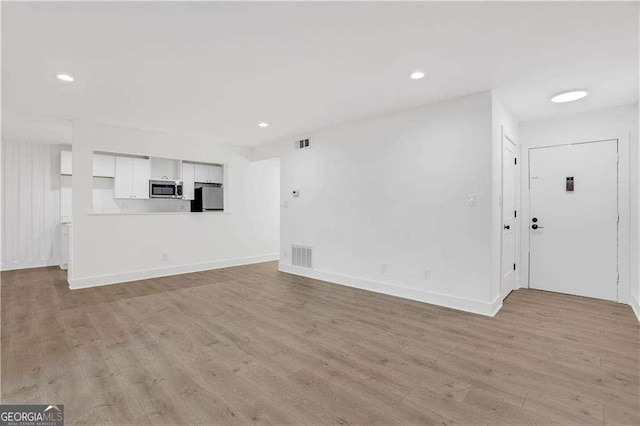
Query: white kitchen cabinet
123	183
104	165
188	180
66	163
201	173
141	176
66	206
64	245
131	178
215	174
206	173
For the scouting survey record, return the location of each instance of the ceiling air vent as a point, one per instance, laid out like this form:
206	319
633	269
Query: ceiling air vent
302	143
302	256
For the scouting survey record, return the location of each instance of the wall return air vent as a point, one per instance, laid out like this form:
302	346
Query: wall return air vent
302	256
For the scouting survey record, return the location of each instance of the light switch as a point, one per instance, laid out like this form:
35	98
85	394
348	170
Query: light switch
471	200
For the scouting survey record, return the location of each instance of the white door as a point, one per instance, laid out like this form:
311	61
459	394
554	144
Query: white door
141	176
573	221
508	278
201	173
215	174
123	182
188	179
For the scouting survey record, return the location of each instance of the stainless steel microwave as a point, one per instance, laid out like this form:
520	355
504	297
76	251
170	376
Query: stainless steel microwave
165	189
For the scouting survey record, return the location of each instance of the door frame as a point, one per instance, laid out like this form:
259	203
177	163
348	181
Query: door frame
518	196
623	246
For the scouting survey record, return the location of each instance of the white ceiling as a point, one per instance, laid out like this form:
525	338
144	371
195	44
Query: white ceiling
217	69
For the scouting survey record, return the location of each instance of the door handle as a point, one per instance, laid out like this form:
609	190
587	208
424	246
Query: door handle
534	226
507	227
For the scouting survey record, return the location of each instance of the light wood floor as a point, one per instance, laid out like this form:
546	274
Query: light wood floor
252	345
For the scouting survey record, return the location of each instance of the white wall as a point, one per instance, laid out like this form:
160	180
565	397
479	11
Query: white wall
503	123
393	190
613	123
30	204
123	247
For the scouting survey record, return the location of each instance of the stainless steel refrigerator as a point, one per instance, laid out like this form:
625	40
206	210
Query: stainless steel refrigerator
207	198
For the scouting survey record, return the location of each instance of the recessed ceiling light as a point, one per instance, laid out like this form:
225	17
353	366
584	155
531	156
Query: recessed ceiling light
416	75
569	96
263	124
65	77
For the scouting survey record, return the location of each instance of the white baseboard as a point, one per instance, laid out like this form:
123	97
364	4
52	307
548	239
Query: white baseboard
29	265
78	283
635	305
467	305
521	284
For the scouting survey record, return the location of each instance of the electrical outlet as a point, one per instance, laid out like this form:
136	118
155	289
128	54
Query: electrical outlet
165	257
427	274
471	200
383	268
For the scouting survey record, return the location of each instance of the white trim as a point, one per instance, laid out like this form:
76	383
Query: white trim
87	282
467	305
635	305
29	265
521	284
508	292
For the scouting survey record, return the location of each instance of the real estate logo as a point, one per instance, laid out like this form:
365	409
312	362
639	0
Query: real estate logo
31	415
